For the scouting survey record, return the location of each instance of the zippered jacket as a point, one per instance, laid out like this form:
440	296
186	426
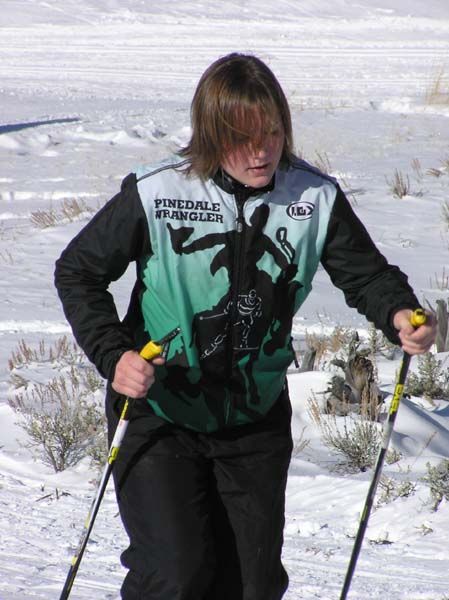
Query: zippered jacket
230	266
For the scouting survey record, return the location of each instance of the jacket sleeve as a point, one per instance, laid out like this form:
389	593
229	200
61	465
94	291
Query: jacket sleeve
99	254
370	284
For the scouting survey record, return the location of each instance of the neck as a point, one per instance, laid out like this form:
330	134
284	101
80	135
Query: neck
232	186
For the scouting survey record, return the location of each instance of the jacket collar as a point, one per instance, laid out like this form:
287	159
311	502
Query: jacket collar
241	191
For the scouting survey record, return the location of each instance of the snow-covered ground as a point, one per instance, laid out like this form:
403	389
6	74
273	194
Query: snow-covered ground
91	88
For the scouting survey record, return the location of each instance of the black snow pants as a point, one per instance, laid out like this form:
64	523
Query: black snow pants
204	513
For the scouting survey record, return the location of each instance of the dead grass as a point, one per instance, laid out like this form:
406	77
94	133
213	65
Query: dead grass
326	345
441	282
322	162
445	212
416	166
399	185
6	257
70	210
62	349
438	90
434	172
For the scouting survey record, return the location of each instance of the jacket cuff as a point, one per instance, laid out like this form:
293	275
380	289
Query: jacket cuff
110	361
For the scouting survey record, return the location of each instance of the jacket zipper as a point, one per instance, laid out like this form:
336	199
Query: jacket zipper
236	276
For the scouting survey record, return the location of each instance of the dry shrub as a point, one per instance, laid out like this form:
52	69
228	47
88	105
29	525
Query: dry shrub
61	416
393	489
438	480
60	419
300	443
378	343
356	439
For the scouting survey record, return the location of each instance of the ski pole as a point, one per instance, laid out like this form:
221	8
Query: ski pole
418	318
150	351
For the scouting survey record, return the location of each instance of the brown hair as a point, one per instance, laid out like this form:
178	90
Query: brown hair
238	101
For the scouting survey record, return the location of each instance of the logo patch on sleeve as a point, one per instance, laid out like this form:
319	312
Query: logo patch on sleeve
300	210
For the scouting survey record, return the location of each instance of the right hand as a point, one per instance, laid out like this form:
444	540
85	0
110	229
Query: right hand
133	375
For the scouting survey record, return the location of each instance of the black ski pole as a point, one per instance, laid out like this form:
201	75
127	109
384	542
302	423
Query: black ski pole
418	318
148	352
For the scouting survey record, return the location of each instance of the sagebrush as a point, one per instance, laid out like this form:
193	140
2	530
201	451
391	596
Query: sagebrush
354	438
60	419
391	489
431	379
438	480
62	416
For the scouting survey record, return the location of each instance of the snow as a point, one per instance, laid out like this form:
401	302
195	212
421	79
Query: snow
90	89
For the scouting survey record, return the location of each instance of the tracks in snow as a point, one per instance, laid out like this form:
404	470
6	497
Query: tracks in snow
311	58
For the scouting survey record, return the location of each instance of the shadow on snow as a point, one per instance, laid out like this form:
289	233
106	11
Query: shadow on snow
18	126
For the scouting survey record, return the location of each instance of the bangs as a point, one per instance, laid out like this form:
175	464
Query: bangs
245	121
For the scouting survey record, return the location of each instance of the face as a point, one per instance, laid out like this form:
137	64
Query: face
255	166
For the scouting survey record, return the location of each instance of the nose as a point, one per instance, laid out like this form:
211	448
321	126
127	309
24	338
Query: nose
260	150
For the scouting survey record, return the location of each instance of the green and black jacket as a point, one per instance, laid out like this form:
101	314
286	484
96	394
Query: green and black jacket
230	266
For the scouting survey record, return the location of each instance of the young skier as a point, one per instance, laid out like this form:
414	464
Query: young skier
226	237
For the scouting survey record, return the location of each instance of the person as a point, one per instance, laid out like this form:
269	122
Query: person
226	236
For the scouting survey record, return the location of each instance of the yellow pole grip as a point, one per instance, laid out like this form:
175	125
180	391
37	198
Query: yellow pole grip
151	350
418	317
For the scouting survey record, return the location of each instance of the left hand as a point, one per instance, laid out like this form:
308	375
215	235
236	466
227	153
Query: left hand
415	341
